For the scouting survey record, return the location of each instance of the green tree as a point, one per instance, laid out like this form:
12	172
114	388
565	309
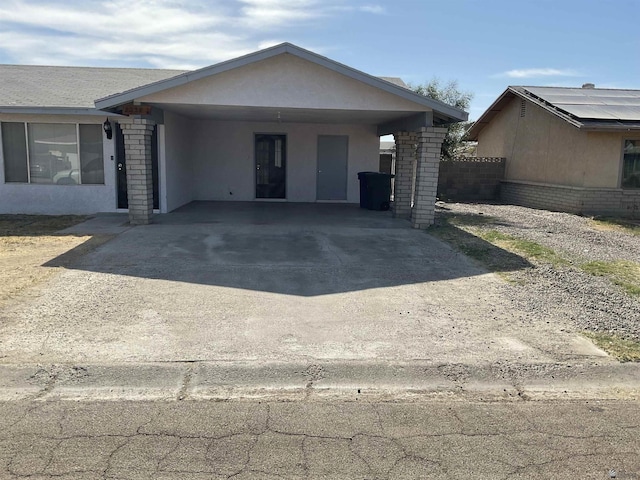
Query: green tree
449	93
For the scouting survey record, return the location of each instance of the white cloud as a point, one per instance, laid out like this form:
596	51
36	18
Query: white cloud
538	72
369	8
271	13
377	9
160	33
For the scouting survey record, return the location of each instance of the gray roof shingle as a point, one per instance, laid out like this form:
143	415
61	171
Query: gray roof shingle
70	87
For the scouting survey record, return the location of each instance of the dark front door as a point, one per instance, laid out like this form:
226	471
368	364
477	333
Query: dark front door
271	166
154	168
121	180
121	175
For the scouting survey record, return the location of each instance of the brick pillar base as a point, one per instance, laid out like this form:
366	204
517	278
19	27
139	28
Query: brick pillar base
429	148
403	182
137	146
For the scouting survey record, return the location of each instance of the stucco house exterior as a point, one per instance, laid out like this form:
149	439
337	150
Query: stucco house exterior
280	124
567	149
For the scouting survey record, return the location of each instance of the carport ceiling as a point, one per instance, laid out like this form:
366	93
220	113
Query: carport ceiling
284	115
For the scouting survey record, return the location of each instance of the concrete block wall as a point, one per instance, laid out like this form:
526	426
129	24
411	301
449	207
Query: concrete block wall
403	185
427	170
470	178
611	202
137	145
579	200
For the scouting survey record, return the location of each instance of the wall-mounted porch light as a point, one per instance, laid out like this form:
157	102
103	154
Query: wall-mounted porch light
107	129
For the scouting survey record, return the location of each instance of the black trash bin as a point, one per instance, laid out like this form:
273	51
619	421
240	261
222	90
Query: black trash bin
375	190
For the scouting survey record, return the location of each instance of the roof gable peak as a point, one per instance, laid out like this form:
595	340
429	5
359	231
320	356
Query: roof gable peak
447	112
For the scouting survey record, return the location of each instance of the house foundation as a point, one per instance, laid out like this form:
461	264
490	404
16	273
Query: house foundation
578	200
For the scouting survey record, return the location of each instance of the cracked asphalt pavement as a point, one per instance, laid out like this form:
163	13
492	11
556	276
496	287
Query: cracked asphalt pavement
440	438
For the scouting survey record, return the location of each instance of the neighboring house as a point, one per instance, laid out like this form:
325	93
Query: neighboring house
281	124
568	149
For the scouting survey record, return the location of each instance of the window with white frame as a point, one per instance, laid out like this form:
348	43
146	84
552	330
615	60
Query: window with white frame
52	153
631	164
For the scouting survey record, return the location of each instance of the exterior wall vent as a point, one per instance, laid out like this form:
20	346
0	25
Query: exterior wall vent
523	108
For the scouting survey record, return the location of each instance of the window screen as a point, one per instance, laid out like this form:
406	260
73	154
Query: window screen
631	164
14	148
53	153
91	160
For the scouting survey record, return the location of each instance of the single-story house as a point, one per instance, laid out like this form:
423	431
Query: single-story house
567	149
280	124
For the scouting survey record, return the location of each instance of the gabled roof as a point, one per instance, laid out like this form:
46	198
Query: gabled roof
57	89
47	89
585	108
442	111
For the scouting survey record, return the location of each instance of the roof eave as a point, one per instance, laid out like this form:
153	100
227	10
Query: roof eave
479	124
610	128
56	111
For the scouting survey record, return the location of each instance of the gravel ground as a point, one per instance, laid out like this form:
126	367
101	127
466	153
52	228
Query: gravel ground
564	292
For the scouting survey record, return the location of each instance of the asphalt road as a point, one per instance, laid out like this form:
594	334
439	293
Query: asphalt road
437	438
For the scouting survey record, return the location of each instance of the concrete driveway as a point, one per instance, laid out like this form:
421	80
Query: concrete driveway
231	282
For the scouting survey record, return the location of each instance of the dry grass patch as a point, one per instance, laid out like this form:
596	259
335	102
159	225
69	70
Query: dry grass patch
624	350
27	242
37	225
463	233
616	225
528	249
501	252
623	273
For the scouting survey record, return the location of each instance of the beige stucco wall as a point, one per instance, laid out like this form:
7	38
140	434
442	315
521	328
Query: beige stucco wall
284	81
224	163
177	167
601	146
60	199
496	138
541	147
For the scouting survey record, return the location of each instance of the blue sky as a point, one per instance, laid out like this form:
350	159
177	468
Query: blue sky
483	44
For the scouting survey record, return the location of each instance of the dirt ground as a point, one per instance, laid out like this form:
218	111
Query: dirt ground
28	242
578	268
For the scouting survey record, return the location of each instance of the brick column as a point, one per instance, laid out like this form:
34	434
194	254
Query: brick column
137	146
429	145
403	188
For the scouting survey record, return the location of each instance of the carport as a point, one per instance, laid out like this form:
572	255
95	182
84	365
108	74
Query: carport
262	282
310	215
279	125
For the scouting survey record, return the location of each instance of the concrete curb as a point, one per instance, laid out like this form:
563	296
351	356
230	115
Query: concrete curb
351	380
